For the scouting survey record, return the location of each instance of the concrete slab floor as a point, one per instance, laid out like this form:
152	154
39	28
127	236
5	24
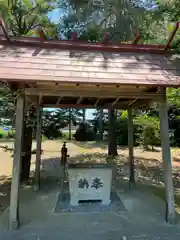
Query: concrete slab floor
143	220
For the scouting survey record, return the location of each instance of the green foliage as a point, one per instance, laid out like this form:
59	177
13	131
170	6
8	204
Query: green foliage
7	134
119	18
52	123
84	133
11	134
7	106
22	17
122	129
148	130
65	136
173	96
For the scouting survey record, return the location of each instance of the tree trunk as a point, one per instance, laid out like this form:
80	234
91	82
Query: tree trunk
26	156
131	147
101	127
70	121
112	147
84	115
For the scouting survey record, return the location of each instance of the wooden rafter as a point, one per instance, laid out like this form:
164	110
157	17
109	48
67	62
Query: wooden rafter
133	101
59	99
40	99
74	36
78	106
79	100
32	85
96	103
114	103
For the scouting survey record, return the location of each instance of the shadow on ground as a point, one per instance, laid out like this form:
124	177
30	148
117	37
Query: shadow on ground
5	186
148	171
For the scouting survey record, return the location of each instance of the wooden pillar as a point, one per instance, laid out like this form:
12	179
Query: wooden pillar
38	146
84	115
131	147
14	196
112	145
101	124
166	156
70	124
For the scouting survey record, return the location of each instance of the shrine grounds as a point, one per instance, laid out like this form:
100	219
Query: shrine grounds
144	218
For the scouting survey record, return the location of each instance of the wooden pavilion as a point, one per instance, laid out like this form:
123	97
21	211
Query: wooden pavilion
74	74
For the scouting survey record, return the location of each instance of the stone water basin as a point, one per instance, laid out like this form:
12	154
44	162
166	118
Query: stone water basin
89	182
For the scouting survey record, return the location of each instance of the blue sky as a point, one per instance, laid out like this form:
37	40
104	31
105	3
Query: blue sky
55	15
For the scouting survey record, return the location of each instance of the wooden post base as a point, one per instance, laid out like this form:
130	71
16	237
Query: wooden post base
14	225
170	217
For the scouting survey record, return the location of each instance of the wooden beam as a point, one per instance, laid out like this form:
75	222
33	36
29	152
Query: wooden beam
78	45
86	106
41	34
14	196
93	94
172	36
166	155
131	148
38	146
104	106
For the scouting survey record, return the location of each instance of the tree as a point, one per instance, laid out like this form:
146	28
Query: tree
122	128
149	131
7	106
120	18
85	132
71	116
100	121
53	122
84	114
22	18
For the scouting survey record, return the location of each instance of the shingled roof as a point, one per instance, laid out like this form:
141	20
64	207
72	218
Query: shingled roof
35	64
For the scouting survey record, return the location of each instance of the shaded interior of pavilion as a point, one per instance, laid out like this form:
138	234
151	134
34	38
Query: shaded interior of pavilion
129	104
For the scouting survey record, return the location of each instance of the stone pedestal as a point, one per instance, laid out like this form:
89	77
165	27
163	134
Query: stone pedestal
89	182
